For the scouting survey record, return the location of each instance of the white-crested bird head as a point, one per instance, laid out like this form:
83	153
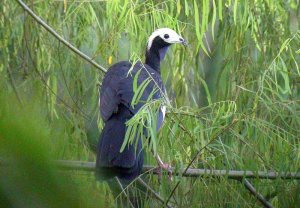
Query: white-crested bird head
166	35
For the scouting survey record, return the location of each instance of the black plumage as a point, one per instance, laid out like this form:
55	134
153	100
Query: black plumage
116	108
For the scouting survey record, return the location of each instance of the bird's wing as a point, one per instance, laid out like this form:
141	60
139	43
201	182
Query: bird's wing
118	88
109	97
148	86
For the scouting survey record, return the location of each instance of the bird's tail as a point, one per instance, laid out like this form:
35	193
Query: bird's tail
110	161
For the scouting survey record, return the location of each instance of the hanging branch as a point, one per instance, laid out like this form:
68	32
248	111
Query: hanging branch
58	37
259	197
191	172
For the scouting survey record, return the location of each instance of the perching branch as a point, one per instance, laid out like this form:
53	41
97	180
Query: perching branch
90	166
191	172
230	174
241	175
57	36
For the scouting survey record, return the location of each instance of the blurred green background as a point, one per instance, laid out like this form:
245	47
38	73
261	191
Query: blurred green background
235	93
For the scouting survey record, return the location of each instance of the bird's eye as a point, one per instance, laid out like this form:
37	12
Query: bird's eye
166	36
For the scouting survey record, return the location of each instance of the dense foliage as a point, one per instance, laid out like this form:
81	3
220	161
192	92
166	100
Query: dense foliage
234	92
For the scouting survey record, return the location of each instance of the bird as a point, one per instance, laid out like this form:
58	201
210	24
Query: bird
116	108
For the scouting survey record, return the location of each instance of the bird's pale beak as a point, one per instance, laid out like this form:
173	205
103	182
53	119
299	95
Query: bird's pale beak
178	39
183	41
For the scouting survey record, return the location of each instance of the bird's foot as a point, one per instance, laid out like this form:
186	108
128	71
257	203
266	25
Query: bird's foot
166	167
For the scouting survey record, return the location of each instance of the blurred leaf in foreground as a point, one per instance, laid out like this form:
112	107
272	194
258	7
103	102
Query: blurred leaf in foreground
29	179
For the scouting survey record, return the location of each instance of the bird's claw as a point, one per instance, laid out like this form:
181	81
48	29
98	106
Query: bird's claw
166	167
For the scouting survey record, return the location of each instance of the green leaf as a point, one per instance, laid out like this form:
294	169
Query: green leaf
214	18
186	8
139	92
220	9
135	81
235	11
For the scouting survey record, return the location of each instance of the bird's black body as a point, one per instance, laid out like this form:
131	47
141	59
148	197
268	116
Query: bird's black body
116	95
116	108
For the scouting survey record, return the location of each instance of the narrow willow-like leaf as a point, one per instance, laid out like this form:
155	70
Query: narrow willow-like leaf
206	91
186	8
153	119
285	76
139	93
197	24
197	27
220	9
178	5
135	81
235	5
129	136
205	9
295	62
214	18
284	45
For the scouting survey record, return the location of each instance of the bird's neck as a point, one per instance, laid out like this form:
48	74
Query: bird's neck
153	60
154	56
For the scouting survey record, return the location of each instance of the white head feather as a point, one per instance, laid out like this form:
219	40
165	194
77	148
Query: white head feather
167	34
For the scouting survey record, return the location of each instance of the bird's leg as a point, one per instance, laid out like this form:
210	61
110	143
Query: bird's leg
161	164
164	166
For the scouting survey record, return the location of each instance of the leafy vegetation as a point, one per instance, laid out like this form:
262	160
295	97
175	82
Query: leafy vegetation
234	92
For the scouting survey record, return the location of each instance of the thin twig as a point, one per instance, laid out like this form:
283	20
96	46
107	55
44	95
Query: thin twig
13	84
65	80
124	192
58	37
48	87
257	195
199	152
141	182
157	196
